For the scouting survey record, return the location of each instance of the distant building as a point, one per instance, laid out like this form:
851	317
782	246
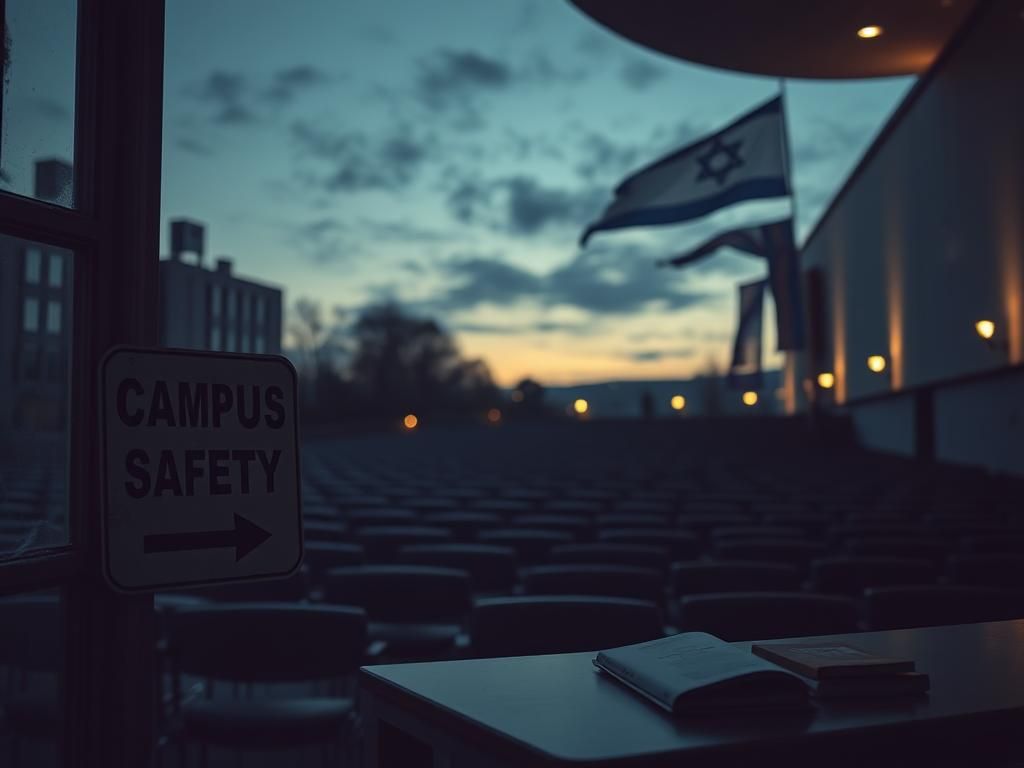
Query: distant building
212	308
36	294
701	397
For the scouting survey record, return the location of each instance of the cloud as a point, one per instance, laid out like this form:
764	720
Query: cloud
484	280
522	205
515	329
238	99
357	161
324	240
603	157
401	230
656	355
286	84
594	44
226	92
450	78
193	146
640	74
606	280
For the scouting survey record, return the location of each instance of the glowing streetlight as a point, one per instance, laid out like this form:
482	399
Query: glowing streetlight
410	421
876	363
581	406
826	380
494	416
678	402
749	398
870	32
985	328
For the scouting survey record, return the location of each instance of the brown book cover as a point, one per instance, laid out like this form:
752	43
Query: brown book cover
827	661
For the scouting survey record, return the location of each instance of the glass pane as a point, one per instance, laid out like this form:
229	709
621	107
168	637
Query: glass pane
30	670
35	347
37	145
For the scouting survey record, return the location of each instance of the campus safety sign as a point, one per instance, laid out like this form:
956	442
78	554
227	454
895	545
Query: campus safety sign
201	468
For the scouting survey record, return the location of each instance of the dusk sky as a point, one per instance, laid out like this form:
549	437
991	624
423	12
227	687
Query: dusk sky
447	155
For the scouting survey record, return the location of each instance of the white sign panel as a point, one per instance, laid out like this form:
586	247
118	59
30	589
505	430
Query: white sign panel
201	465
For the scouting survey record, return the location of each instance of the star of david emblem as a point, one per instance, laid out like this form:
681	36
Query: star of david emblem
721	159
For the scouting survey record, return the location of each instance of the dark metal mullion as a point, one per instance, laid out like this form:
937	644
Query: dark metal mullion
48	569
110	666
42	222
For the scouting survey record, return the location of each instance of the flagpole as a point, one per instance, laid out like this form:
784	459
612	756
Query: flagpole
788	151
791	357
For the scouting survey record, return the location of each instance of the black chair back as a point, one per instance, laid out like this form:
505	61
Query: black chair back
585	579
852	575
519	626
932	605
492	568
640	555
267	642
733	576
766	615
401	593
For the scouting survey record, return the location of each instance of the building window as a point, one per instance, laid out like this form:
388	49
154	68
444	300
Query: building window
244	346
215	301
261	311
215	338
246	306
33	265
53	317
55	270
260	347
232	305
229	340
30	315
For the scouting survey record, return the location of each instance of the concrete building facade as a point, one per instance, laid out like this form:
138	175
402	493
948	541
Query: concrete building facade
924	240
214	309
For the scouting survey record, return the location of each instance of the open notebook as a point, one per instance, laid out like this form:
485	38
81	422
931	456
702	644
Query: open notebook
695	671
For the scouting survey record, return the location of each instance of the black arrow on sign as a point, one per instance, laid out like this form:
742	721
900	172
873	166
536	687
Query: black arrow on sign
244	537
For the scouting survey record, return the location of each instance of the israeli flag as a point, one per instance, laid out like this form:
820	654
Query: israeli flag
745	369
743	161
773	242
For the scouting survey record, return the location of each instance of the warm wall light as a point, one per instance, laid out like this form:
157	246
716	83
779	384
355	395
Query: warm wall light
750	398
870	31
581	406
876	363
410	421
517	396
985	328
494	415
678	402
826	380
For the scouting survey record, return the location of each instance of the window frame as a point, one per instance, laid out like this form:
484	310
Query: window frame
113	235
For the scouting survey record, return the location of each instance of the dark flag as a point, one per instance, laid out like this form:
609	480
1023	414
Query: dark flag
745	370
773	242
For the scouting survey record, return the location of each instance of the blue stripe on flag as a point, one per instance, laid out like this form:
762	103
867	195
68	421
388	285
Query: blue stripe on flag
774	186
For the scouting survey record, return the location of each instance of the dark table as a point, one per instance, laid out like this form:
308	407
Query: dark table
558	710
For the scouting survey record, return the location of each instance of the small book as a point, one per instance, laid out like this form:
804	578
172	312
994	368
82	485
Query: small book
828	661
695	671
879	686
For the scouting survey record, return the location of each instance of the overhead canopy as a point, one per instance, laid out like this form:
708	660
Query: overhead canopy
795	38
